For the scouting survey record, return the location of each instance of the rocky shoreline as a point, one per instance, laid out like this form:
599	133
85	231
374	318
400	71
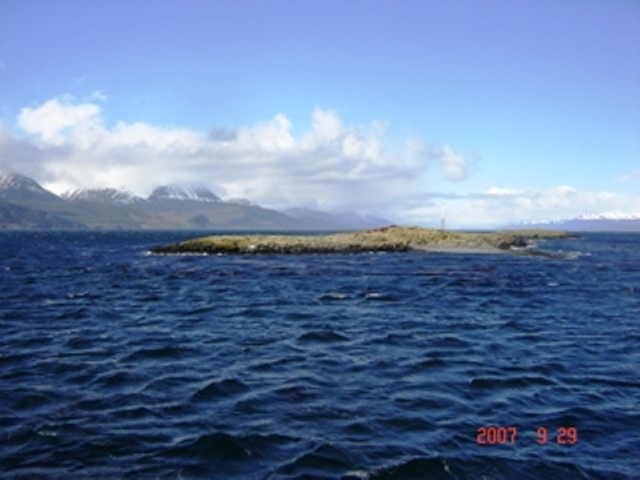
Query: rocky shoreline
387	239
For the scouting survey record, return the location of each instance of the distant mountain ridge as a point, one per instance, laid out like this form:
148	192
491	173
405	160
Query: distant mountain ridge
102	195
25	204
610	216
15	217
174	192
602	222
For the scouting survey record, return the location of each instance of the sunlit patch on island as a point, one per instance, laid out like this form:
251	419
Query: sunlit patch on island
387	239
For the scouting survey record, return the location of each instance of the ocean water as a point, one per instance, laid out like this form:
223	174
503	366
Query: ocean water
119	364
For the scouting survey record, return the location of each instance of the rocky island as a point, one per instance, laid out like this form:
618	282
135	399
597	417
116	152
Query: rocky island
387	239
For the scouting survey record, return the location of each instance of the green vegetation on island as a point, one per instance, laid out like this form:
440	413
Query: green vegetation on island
387	239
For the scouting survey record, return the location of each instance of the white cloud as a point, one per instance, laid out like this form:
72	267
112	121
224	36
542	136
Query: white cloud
499	206
453	163
332	166
326	126
50	120
266	138
504	192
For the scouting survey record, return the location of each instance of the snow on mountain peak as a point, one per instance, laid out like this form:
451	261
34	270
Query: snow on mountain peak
103	195
610	216
18	187
175	192
17	181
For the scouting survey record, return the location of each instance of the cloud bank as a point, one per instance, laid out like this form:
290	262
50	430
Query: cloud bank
331	166
501	206
65	144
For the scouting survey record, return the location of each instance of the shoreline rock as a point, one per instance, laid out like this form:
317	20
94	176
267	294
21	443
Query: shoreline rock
386	239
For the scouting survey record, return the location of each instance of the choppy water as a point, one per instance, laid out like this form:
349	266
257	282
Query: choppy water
118	364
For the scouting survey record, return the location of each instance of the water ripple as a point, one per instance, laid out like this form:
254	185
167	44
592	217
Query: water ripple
117	364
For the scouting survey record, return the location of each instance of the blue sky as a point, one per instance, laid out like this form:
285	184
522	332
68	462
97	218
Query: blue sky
487	111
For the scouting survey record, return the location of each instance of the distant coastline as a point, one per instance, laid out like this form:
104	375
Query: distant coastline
27	205
386	239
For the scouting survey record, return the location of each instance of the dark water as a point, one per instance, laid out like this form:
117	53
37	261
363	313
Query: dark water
118	364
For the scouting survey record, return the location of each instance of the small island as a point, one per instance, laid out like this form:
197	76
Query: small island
386	239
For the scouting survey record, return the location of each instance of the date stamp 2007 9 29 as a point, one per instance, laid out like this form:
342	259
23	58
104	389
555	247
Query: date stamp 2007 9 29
494	435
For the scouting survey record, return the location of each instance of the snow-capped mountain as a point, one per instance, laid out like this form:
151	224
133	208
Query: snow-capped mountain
600	222
18	187
104	195
14	181
240	201
175	192
610	216
26	205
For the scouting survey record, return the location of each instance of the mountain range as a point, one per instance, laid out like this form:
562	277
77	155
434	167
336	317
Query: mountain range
604	222
26	205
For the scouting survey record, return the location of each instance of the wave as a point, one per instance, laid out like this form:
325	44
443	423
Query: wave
322	336
220	389
116	364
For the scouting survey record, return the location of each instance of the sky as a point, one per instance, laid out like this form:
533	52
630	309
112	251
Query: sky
484	112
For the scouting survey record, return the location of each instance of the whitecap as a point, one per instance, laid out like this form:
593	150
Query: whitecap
333	296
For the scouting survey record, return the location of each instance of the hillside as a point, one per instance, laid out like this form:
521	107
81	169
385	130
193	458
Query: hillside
29	206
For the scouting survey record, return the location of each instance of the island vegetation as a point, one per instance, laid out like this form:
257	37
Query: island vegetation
386	239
